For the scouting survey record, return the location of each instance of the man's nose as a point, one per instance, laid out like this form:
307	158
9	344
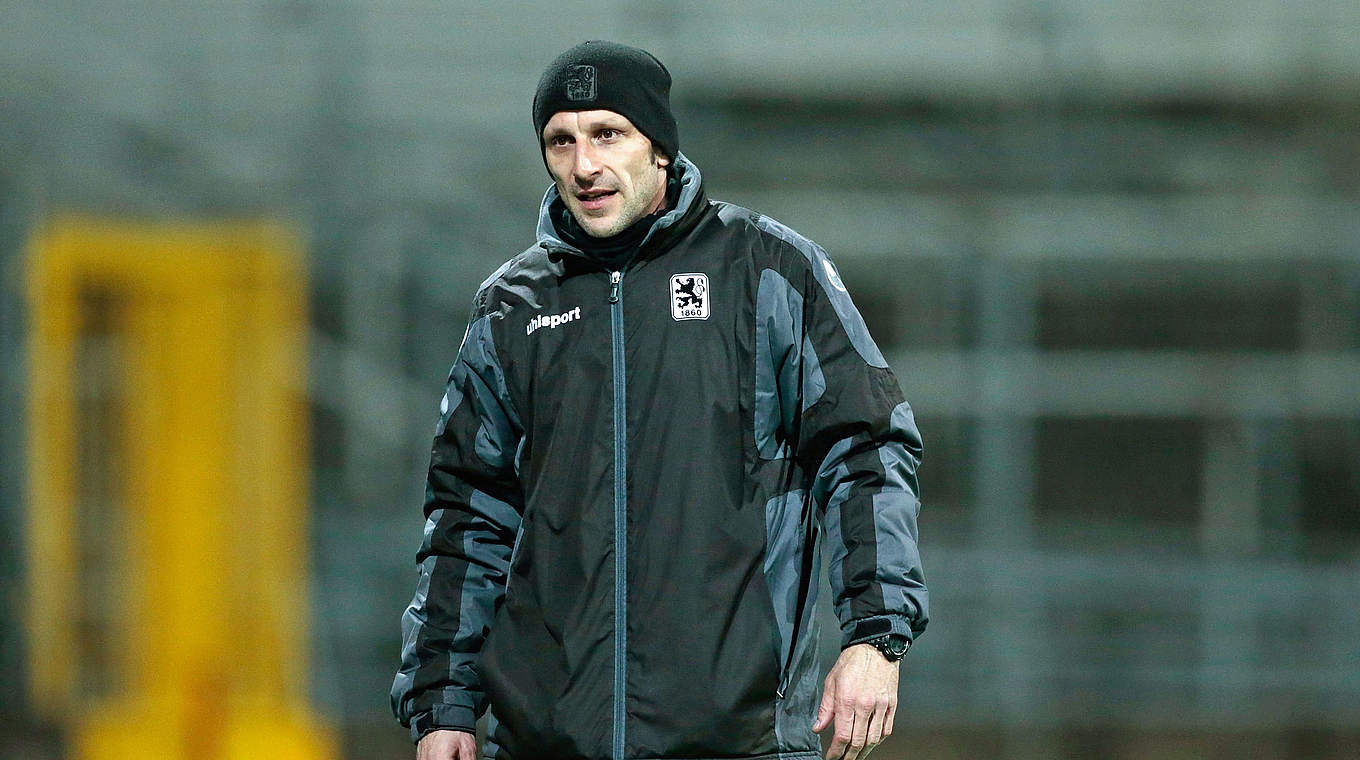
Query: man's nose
585	167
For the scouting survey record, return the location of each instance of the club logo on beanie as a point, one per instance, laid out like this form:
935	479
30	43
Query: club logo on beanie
581	82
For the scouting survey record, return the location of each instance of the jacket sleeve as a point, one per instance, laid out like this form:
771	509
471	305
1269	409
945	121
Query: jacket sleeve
857	443
473	504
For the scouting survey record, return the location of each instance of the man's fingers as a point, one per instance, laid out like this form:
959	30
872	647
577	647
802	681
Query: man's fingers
874	734
467	748
824	710
859	735
843	736
446	744
888	720
823	719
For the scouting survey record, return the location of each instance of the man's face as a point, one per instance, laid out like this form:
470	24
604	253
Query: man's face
605	168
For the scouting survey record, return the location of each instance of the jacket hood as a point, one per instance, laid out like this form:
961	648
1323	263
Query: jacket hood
688	207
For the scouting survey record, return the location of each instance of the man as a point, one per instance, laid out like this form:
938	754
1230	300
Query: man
659	416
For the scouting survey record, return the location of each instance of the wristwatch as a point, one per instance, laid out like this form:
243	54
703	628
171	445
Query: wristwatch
894	646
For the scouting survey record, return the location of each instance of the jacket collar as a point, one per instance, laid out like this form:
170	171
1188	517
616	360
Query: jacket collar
688	207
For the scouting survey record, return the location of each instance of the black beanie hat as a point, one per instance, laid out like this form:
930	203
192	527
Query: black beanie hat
612	77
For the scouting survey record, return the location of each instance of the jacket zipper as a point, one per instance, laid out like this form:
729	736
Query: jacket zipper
620	510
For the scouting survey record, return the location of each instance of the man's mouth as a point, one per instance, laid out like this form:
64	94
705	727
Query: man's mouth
595	199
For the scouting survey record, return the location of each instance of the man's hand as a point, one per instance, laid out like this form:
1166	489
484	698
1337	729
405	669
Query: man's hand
861	695
447	744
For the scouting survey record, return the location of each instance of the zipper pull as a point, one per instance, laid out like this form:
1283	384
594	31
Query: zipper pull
614	278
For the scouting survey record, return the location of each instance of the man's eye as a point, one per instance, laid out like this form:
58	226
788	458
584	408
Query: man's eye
558	140
608	134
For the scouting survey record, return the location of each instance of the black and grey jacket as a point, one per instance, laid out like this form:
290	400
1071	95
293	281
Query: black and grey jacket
632	479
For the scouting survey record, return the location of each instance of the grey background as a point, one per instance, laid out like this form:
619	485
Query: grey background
1112	250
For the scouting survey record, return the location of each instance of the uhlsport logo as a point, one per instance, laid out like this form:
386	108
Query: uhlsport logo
581	82
552	320
689	296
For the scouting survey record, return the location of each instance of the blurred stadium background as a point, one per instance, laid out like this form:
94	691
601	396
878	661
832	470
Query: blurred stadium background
1111	248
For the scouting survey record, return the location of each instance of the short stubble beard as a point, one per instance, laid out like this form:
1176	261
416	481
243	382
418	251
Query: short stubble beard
633	209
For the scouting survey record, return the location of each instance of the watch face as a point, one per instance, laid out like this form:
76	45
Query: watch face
893	647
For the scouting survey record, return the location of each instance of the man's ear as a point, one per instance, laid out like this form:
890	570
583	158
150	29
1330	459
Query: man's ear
661	158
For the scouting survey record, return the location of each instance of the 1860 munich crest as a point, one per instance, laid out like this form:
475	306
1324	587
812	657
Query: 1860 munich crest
581	82
689	296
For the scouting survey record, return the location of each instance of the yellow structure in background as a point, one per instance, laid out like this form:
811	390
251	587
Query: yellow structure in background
168	491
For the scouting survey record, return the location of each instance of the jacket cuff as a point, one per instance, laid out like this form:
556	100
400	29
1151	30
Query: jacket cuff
863	629
456	717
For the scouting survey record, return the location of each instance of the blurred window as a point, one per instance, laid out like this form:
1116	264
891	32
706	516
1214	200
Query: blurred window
1329	487
1160	306
1130	470
910	303
947	498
